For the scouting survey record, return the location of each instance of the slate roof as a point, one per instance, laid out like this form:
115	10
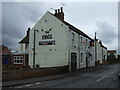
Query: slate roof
76	30
73	28
111	51
25	39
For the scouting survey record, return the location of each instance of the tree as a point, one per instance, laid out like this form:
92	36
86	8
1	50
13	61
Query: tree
112	58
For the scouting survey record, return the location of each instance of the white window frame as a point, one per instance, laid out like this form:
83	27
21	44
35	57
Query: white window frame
17	59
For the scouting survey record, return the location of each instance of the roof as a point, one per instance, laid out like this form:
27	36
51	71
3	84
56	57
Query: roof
111	51
73	28
25	40
102	45
22	52
76	30
4	50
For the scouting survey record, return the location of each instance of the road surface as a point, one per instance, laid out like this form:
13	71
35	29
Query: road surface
102	78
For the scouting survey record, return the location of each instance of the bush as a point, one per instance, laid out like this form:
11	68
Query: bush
112	58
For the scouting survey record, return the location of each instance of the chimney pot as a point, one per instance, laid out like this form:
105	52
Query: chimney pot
61	9
29	28
55	11
58	10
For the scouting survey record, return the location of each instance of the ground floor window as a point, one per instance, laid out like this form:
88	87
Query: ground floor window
18	59
81	59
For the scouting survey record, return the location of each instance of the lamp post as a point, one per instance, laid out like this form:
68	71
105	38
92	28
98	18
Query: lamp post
95	49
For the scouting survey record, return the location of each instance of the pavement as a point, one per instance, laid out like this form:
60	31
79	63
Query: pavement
51	77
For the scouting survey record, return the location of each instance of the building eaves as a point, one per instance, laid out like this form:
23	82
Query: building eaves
111	51
76	30
25	40
73	28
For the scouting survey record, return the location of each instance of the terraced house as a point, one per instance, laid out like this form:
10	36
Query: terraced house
53	42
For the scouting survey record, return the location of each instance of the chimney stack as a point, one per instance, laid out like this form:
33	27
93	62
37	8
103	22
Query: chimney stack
61	10
28	31
55	11
59	14
58	10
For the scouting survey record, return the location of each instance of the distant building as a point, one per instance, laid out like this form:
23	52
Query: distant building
101	52
20	58
6	55
24	43
112	52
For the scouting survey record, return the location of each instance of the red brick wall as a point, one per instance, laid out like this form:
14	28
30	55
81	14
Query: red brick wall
30	73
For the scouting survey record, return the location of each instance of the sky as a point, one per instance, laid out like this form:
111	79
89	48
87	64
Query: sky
90	17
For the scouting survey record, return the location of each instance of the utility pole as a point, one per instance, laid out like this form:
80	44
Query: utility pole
95	48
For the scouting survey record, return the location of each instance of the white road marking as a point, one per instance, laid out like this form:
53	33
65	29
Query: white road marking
19	87
28	85
101	78
38	82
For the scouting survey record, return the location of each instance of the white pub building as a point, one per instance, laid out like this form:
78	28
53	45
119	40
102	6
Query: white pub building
54	42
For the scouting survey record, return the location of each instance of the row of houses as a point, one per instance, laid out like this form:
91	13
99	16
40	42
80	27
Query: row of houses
53	42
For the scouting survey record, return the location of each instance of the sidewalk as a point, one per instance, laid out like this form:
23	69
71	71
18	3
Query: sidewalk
51	77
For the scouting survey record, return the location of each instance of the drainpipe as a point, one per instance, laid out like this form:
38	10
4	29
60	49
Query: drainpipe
34	50
79	48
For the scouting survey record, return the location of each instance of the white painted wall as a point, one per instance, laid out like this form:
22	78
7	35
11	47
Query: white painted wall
101	51
58	56
22	47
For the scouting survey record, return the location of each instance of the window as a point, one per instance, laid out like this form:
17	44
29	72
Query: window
81	39
73	38
26	46
18	59
14	57
81	58
86	42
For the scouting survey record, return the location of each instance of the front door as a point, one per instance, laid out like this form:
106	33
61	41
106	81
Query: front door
86	62
73	61
5	60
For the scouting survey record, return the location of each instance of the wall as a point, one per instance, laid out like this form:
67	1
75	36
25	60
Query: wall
78	48
22	47
49	55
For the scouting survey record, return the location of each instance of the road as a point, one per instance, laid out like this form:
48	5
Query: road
102	78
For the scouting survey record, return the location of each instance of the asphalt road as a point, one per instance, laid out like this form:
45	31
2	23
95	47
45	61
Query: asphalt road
102	78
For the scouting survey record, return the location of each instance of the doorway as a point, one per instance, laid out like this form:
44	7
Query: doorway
73	61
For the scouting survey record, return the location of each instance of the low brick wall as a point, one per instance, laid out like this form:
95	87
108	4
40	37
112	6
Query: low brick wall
31	73
106	62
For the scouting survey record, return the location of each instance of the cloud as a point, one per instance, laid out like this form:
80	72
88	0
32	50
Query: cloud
105	32
16	18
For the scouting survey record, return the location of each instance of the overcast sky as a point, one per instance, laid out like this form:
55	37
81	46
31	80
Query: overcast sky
90	17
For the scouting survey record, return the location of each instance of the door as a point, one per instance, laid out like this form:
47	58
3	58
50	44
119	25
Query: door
5	60
73	61
86	62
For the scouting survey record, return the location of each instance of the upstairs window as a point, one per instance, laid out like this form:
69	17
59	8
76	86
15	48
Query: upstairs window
73	38
81	39
86	42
